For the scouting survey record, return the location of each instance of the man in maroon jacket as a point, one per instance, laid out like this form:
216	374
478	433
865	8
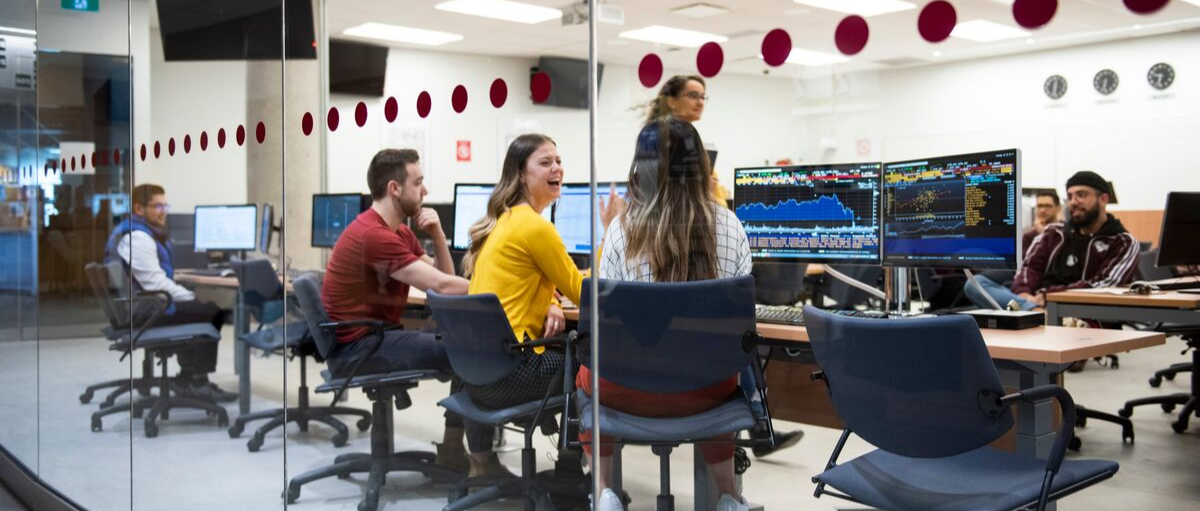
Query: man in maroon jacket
1090	249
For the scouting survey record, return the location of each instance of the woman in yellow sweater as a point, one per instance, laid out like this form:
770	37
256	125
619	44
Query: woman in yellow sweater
517	255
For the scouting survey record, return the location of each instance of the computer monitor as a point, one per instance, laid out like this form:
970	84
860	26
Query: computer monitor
573	211
266	228
470	204
225	227
810	213
332	213
953	211
1178	245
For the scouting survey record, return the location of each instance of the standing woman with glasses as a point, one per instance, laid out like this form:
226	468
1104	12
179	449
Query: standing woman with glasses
683	97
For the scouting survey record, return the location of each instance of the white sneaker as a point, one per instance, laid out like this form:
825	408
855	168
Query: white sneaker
609	501
730	503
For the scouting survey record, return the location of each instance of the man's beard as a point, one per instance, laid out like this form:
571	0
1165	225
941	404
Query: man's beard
1088	217
409	209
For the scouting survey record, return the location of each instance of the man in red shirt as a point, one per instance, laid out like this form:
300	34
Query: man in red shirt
375	261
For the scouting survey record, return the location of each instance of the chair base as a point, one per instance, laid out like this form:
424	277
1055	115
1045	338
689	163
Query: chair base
1170	373
160	406
279	417
1082	414
535	489
1190	401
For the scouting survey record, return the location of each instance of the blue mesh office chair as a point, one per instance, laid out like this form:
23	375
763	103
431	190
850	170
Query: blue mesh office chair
925	393
671	338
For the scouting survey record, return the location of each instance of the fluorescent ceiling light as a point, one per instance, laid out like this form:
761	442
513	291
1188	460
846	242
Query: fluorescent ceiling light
700	10
864	8
18	30
401	34
502	10
984	31
672	36
813	58
1193	2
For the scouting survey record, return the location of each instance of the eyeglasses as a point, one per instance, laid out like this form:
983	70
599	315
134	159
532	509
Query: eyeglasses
1046	206
695	96
162	206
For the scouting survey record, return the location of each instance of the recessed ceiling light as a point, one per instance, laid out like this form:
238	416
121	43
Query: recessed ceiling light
700	10
18	30
1005	2
813	58
1193	2
1029	41
984	31
937	53
502	10
397	33
860	7
672	36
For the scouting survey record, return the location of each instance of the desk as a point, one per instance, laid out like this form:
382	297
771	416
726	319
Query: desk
1112	304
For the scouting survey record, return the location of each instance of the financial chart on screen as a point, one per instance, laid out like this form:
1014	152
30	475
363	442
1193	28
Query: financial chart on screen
812	213
953	211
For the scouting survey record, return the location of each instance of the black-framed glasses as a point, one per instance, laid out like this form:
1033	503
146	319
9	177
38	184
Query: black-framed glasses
696	96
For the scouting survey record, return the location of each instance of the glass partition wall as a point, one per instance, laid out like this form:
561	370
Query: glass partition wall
274	165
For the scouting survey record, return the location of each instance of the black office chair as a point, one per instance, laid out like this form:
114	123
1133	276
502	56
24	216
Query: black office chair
778	283
847	296
925	393
483	349
384	390
161	342
263	297
142	384
1147	270
676	337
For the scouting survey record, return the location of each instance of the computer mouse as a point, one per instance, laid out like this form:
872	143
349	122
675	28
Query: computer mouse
227	272
1142	287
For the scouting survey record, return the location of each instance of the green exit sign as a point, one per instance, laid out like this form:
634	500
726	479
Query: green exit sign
81	5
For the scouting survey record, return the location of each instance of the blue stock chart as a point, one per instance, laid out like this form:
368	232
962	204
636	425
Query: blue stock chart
815	213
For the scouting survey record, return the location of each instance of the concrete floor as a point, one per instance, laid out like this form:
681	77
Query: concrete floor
194	465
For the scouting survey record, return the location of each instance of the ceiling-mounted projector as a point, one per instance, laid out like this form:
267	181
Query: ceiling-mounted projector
577	14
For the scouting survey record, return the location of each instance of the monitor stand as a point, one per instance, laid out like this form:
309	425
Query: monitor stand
899	292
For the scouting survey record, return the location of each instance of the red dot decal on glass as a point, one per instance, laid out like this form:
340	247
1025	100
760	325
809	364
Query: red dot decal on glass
72	163
203	140
94	160
332	119
221	138
306	124
650	70
241	135
539	87
83	161
391	108
187	144
852	34
171	146
776	47
360	114
498	93
424	104
1145	6
458	99
1034	13
157	149
937	20
116	156
260	132
143	152
709	59
64	164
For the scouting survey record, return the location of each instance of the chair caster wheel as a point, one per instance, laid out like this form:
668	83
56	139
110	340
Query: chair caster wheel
363	424
254	445
151	431
1075	444
1170	377
344	475
291	495
1127	438
85	398
339	440
97	425
1156	382
1125	412
236	430
1179	426
1080	421
222	421
1168	407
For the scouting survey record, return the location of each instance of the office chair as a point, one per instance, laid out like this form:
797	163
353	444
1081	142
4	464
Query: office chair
778	283
846	296
142	384
385	390
1147	270
482	350
673	338
262	295
925	393
158	342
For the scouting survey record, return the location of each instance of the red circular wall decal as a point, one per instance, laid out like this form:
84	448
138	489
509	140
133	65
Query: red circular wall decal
241	135
709	59
937	20
1034	13
539	87
157	149
95	161
221	138
852	34
391	109
187	143
203	140
171	146
776	46
424	104
332	119
306	123
498	93
650	70
260	132
83	161
116	156
1145	6
143	152
458	99
72	163
360	114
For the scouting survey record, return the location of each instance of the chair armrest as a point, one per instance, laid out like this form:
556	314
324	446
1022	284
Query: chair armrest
562	339
164	302
1063	439
377	329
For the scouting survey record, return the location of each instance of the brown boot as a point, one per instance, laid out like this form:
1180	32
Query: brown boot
489	468
453	457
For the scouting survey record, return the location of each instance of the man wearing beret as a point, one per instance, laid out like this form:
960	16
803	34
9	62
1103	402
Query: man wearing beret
1090	249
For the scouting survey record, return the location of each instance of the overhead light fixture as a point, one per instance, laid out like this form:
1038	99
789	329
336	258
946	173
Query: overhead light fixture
399	34
1193	2
813	58
984	31
502	10
672	36
937	53
18	30
700	10
865	8
1004	2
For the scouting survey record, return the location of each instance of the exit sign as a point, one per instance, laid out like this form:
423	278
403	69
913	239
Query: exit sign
81	5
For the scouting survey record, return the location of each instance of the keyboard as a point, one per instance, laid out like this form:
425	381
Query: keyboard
1179	286
209	272
781	314
860	314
